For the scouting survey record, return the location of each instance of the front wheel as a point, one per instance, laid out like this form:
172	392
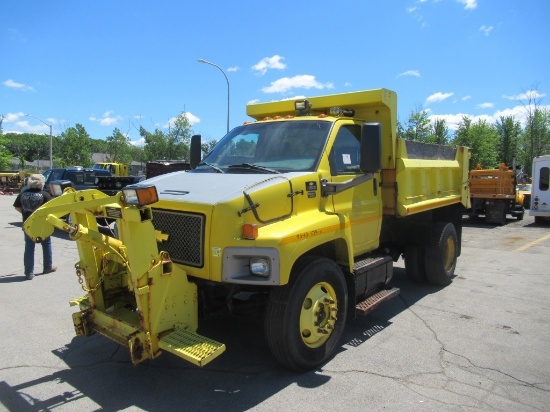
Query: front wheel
441	256
305	318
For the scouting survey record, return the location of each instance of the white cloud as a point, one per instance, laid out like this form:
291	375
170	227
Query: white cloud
139	142
303	81
519	113
485	105
24	126
465	98
13	117
438	97
107	119
254	101
297	97
266	63
415	73
18	86
347	84
469	4
528	95
486	29
193	120
233	69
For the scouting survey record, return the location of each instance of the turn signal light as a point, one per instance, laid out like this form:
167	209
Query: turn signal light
250	231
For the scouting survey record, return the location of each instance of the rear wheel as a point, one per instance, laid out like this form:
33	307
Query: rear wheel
441	257
520	215
414	263
305	318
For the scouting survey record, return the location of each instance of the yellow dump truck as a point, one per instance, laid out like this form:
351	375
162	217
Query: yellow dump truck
494	194
297	215
116	169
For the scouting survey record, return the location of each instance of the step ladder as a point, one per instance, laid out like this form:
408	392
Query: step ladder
372	302
191	346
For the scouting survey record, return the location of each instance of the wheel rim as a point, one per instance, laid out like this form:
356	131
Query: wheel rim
318	315
449	254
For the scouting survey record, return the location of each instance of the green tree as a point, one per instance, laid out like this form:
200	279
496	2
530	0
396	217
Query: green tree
537	134
156	144
76	147
481	137
179	138
98	146
5	155
138	154
418	126
508	144
119	147
439	132
206	147
27	147
400	130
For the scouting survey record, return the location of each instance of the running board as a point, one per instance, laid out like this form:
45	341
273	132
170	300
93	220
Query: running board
372	302
191	346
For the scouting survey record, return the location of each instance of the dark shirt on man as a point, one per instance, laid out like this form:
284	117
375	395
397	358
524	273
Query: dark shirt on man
30	200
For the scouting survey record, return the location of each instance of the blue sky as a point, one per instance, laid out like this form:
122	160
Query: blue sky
122	64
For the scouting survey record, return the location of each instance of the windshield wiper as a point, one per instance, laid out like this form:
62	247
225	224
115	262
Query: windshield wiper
210	165
254	167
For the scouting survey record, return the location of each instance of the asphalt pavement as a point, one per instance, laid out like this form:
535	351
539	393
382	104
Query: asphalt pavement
481	343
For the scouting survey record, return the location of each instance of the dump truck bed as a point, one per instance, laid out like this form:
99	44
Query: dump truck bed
426	176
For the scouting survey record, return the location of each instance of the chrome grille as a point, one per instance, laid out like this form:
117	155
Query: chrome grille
185	232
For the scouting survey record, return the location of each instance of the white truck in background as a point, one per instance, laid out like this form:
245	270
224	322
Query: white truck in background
540	189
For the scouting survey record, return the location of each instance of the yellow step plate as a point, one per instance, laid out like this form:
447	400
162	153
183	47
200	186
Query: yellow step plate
191	346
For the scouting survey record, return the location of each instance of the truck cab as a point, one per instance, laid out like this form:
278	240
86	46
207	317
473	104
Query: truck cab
80	178
116	169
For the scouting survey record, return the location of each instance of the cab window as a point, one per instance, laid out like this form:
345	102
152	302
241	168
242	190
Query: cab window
345	152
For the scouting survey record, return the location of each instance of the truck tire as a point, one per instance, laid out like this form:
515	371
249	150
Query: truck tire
520	215
441	257
305	319
414	263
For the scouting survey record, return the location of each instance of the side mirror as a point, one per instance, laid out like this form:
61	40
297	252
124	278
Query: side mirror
371	148
195	150
57	187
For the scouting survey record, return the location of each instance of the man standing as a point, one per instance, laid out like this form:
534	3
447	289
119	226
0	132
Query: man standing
27	202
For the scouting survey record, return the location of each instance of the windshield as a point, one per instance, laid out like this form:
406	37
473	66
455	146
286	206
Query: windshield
273	147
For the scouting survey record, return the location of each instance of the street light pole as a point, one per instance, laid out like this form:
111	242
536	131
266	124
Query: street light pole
51	138
226	79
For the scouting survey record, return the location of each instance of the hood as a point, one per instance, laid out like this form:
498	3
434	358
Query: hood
212	188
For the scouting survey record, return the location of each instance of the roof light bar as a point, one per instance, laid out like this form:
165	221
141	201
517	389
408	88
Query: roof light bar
302	107
339	112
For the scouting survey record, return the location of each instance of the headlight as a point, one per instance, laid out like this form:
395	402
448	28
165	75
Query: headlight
259	267
139	195
251	265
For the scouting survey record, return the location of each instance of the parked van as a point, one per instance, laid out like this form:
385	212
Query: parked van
540	189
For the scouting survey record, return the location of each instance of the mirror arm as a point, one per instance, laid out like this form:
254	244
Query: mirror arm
331	188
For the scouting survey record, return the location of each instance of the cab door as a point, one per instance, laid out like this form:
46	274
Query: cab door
360	205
